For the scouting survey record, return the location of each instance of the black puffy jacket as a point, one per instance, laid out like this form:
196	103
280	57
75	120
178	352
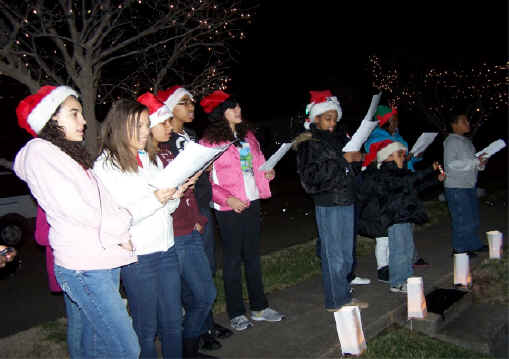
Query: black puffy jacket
324	173
390	195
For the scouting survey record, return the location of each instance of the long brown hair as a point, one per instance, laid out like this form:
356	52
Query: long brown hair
120	125
219	130
55	134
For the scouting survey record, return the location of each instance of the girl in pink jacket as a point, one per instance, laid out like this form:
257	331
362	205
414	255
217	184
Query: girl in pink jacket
237	187
88	232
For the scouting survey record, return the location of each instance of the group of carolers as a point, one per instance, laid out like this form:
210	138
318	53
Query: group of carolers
104	221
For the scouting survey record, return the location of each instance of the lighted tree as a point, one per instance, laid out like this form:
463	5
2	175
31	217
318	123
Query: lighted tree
111	48
481	89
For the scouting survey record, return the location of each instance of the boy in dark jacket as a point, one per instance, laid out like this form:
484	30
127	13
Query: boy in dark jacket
181	104
327	174
389	205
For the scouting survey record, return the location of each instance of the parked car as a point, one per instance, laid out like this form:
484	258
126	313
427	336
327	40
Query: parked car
17	209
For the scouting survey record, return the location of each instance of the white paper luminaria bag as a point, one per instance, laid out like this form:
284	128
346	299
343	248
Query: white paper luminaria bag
462	270
416	300
350	333
495	243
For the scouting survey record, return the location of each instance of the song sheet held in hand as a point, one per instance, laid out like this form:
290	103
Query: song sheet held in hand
367	125
192	159
424	140
274	159
493	148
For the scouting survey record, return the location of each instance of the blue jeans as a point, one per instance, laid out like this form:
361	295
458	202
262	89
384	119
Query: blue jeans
153	292
335	228
198	289
401	252
74	328
464	210
107	327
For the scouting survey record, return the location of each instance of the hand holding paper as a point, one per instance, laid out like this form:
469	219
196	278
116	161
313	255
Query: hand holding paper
192	159
367	125
493	148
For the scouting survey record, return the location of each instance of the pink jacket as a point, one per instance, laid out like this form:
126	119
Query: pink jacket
86	225
41	237
227	179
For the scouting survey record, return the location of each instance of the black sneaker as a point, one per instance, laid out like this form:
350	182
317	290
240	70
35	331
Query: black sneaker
208	342
383	274
470	253
420	263
221	332
484	248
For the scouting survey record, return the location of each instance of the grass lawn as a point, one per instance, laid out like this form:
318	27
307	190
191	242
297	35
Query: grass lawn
490	280
398	343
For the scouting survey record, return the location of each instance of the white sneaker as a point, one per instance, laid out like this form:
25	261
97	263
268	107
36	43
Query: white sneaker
240	323
359	280
268	314
399	288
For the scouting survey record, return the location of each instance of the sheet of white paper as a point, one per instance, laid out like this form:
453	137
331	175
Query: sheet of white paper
493	148
367	125
274	159
193	158
424	140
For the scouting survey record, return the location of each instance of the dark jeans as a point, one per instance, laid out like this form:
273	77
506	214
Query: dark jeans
209	244
199	291
153	292
464	210
335	228
208	236
240	233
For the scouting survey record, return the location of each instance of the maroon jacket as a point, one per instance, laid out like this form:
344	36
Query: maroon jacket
187	214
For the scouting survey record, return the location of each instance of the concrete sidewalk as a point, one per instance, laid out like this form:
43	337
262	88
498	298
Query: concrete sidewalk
310	332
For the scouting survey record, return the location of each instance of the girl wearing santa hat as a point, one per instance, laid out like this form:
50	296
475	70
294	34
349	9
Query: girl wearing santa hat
126	165
188	226
237	187
181	104
88	231
327	174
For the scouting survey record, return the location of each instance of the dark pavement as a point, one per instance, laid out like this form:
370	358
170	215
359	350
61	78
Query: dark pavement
309	331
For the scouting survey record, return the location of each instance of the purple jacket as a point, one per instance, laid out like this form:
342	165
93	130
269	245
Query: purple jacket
227	179
42	238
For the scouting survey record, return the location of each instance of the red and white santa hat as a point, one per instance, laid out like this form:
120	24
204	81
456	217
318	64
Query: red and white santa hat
158	111
385	149
210	102
321	102
35	111
172	96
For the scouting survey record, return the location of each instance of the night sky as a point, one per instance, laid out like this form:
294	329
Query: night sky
295	46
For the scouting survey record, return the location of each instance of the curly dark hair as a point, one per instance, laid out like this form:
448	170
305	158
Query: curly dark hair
55	134
219	130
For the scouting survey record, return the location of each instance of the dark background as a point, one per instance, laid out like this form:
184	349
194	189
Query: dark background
293	47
